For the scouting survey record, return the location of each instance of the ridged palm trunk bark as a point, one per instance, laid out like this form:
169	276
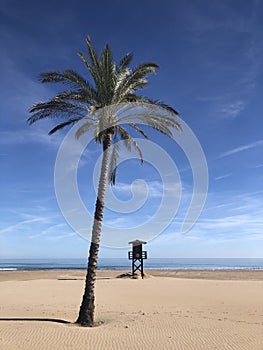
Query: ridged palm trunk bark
87	308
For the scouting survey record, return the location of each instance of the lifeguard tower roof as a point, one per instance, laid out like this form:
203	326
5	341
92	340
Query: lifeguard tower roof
137	242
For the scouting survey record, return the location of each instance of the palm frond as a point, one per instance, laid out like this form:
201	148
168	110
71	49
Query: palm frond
153	119
160	127
159	123
161	104
113	161
54	109
108	77
88	96
83	129
95	75
147	101
93	56
68	77
135	80
139	130
124	63
62	125
129	141
167	120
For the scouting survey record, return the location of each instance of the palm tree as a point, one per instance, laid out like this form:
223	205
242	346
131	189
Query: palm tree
113	85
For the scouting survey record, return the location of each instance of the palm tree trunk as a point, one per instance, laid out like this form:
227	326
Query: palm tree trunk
87	308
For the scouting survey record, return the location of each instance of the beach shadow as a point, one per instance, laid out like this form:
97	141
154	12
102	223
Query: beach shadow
55	320
82	279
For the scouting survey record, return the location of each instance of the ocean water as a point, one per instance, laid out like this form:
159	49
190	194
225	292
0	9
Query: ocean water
123	264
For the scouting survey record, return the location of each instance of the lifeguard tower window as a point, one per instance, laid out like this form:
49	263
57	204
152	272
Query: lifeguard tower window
137	251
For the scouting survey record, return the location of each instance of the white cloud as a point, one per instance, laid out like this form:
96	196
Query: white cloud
25	136
62	236
258	166
242	217
241	149
155	188
223	176
230	222
229	218
52	230
232	110
118	222
24	223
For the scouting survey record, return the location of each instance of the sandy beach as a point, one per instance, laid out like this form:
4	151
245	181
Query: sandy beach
167	310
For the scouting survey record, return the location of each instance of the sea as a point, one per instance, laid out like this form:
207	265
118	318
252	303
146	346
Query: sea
125	264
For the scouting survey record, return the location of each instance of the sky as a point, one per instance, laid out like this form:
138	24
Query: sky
210	57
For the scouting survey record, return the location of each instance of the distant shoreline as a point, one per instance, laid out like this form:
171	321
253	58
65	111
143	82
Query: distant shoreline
117	264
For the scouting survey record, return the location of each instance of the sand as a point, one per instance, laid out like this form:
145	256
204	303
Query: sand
183	310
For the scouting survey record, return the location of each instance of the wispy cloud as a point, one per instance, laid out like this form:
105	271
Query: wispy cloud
62	236
229	218
233	109
155	188
241	148
22	224
231	222
26	136
223	176
258	166
242	217
241	70
52	230
118	222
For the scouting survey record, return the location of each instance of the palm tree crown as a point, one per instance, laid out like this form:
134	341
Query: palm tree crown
113	84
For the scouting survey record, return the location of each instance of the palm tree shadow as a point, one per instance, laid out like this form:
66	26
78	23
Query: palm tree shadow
55	320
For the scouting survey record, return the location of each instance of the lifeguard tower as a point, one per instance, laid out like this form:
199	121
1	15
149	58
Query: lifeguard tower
137	255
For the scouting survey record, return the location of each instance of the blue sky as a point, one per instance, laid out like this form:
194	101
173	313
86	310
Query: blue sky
210	56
